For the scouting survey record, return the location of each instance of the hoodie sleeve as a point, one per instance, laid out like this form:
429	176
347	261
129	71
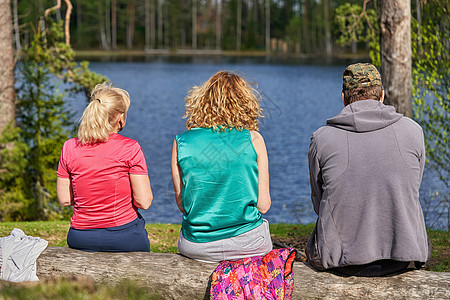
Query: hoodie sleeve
315	175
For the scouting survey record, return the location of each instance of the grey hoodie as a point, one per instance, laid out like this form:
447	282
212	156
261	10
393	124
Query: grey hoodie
366	167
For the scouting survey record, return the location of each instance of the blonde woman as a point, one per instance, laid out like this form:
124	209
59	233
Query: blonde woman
220	173
104	176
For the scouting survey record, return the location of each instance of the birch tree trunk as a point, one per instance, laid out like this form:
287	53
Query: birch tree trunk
395	46
7	105
101	27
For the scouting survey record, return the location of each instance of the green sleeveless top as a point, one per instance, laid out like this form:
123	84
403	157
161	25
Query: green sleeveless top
220	183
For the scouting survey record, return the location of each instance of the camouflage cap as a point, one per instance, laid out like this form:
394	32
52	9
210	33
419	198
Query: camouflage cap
360	75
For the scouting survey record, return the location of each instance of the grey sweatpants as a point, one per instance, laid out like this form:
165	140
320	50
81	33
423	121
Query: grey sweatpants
251	243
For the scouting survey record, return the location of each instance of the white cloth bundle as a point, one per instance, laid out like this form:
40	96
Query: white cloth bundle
19	253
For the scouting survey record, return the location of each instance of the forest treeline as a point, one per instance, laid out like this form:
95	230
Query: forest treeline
286	26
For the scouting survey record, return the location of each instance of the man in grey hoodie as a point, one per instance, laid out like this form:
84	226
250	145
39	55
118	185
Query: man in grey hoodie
366	167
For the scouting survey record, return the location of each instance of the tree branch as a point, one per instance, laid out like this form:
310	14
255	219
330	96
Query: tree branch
365	14
67	22
48	10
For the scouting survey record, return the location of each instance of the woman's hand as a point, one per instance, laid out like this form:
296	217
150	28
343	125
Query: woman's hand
264	201
142	192
64	191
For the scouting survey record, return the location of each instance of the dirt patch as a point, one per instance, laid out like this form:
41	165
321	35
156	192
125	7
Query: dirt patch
292	241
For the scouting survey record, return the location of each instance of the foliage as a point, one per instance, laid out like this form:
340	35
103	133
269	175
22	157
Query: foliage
355	25
44	124
47	75
293	30
13	151
60	61
431	83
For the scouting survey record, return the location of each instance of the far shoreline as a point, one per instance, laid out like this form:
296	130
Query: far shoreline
195	56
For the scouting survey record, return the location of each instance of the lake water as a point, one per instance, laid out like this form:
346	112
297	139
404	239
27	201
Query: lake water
298	98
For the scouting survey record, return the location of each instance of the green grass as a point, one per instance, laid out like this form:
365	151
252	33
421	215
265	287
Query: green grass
76	288
440	252
54	232
287	230
164	237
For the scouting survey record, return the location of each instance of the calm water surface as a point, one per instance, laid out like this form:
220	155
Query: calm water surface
297	100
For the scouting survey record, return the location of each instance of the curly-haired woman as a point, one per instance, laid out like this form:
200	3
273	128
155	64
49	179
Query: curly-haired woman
104	176
220	172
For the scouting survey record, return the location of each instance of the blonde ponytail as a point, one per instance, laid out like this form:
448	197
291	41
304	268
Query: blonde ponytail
101	116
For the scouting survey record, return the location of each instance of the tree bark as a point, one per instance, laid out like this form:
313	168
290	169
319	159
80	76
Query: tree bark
57	6
176	277
102	27
395	45
7	105
67	21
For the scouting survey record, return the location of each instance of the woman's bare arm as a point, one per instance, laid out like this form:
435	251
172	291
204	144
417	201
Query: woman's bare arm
264	200
176	176
64	191
142	191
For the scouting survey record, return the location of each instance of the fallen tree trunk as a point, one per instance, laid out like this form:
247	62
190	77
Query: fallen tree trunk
176	277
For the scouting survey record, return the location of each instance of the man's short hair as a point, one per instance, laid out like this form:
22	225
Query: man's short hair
373	92
361	81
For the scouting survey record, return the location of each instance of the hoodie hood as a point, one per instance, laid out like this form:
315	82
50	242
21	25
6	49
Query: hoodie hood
364	116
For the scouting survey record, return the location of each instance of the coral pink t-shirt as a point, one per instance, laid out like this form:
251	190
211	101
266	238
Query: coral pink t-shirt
100	176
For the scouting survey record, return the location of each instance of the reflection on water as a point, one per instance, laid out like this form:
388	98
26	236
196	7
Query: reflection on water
297	100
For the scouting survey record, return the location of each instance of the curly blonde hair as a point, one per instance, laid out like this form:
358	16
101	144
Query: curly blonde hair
226	101
101	115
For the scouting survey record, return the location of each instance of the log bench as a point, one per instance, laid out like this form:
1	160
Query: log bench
176	277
